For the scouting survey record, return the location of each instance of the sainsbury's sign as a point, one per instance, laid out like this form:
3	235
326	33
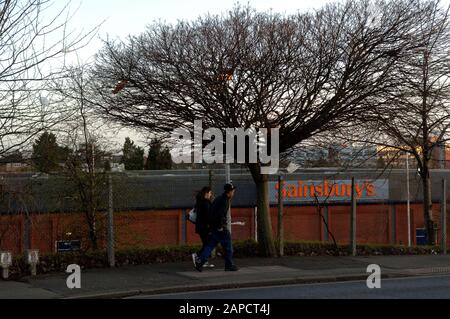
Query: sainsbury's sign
330	191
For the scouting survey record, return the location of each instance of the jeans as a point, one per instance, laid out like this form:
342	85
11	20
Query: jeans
216	237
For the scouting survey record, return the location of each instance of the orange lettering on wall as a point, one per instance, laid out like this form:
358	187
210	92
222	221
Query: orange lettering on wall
305	191
333	191
319	190
292	191
325	188
359	189
348	189
300	189
371	190
283	191
312	191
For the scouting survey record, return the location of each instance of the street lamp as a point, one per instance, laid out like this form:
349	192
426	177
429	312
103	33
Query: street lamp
227	76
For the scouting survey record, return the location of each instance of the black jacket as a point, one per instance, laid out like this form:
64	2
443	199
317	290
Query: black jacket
219	212
203	210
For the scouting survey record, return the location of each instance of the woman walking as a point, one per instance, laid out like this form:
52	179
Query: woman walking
202	227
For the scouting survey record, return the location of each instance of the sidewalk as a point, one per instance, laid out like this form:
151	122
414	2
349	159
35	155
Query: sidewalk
254	272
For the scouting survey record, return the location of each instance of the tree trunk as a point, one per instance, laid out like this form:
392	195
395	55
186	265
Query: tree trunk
427	203
265	236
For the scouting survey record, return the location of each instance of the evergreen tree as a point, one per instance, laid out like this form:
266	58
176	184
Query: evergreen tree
159	157
47	154
133	156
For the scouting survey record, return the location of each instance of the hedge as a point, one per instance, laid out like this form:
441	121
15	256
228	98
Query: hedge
56	263
329	249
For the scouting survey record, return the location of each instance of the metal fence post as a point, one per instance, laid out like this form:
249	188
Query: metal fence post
111	249
228	181
326	235
255	212
408	202
183	228
353	219
280	216
27	232
444	217
393	224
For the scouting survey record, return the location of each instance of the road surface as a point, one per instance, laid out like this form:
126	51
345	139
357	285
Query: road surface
433	287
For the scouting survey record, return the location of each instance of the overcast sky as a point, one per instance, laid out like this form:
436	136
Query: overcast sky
121	18
124	17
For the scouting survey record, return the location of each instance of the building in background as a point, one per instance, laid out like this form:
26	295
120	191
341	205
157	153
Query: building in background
15	162
394	158
336	155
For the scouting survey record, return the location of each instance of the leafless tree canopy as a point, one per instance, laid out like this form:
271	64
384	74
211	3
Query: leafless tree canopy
30	39
415	115
303	73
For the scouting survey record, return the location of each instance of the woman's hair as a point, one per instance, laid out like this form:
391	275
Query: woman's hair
201	194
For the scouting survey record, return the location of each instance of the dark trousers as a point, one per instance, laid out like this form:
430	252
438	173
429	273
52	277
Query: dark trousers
216	237
204	236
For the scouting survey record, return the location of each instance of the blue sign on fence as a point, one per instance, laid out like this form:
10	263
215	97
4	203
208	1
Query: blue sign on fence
421	236
68	246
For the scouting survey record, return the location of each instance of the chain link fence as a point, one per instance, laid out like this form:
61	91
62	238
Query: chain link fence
149	207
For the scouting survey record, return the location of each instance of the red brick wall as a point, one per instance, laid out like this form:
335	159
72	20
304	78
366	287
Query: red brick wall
372	224
11	233
141	229
159	228
300	223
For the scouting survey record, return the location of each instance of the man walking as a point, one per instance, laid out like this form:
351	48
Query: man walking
220	224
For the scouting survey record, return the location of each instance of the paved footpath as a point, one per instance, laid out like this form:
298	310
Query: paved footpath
254	272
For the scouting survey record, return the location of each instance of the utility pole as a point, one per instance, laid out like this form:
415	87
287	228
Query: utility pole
227	76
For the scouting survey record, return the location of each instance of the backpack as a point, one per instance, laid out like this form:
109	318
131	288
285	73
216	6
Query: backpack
192	216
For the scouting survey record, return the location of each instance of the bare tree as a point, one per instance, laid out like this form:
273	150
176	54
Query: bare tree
304	74
31	41
412	116
85	165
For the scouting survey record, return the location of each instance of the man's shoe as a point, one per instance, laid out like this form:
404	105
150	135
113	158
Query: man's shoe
208	265
232	268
